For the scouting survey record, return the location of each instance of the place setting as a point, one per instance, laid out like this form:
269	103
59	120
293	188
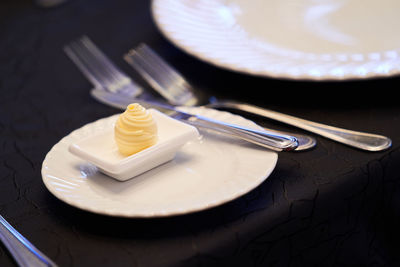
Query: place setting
143	145
172	176
168	177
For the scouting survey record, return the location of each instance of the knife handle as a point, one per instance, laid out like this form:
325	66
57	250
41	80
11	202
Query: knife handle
271	140
24	253
268	139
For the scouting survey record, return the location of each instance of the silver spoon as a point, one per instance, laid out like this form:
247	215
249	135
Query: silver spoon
361	140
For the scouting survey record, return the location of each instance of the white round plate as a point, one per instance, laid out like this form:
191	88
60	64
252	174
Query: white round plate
205	173
311	39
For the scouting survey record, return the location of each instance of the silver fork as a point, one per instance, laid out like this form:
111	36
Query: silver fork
107	78
163	77
100	71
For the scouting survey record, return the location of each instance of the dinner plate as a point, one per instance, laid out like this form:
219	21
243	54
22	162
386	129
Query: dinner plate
311	39
205	173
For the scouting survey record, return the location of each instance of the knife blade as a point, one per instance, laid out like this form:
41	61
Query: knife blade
267	139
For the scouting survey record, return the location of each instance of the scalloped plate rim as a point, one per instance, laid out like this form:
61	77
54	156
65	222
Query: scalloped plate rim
306	76
271	156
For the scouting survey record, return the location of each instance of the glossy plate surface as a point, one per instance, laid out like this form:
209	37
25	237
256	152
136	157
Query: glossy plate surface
205	173
312	40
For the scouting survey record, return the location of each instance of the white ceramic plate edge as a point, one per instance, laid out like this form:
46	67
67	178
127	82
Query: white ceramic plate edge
116	212
388	69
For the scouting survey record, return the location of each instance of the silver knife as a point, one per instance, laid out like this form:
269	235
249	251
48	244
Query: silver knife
24	253
270	140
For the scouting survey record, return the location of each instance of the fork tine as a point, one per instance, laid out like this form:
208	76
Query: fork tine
95	63
91	63
157	63
99	69
152	76
162	77
168	77
113	72
88	73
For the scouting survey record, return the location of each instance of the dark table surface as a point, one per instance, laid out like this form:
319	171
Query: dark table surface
330	206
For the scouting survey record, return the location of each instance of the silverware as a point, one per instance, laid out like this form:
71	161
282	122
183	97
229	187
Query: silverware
361	140
104	75
271	140
99	70
163	77
24	253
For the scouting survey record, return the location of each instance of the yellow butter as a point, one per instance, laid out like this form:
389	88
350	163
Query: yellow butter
135	130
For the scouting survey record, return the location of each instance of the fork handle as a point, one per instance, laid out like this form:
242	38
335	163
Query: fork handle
361	140
24	253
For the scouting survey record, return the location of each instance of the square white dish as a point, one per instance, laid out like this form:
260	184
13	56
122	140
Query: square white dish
100	148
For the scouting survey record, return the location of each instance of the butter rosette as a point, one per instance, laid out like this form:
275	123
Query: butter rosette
135	130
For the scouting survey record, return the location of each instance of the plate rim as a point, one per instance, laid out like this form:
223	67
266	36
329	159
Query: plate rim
125	214
265	74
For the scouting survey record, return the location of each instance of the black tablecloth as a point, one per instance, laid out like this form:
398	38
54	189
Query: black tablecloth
331	206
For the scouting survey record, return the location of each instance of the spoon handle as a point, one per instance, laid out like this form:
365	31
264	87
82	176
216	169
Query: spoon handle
361	140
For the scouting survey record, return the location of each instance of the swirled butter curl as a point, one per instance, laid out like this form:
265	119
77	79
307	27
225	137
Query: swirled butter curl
135	130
